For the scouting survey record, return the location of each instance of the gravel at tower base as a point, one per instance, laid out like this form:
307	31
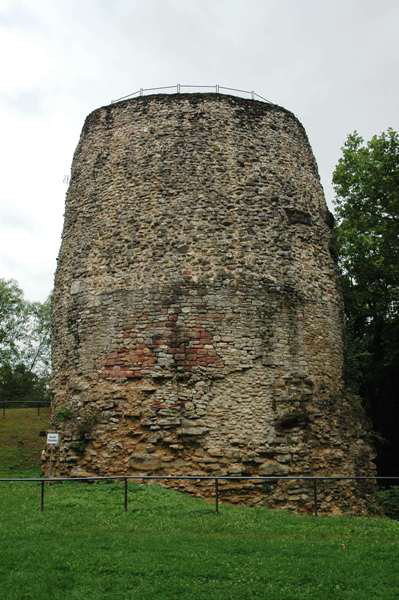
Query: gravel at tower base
198	324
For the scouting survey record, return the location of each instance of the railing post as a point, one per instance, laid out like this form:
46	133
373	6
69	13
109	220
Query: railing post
315	509
141	91
217	495
217	88
253	95
42	495
178	88
125	494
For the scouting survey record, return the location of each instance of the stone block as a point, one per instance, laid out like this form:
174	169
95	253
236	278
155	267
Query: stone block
193	431
272	467
144	462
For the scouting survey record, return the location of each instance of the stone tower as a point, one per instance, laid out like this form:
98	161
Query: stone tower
197	320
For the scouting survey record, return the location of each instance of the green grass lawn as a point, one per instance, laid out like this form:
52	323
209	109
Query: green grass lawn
170	545
20	444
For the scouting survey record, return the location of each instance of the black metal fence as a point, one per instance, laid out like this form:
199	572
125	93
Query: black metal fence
180	88
126	478
23	404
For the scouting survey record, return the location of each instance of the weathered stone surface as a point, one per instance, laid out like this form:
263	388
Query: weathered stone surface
271	467
197	320
144	462
193	430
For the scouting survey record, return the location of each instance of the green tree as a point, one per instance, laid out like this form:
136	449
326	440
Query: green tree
19	384
13	315
366	182
36	348
24	345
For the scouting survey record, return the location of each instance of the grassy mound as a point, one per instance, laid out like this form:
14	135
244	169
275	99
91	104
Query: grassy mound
20	444
170	545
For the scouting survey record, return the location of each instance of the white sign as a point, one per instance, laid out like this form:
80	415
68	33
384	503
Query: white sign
53	438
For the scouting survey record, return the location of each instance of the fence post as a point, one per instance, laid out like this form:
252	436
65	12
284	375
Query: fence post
217	88
125	494
42	495
4	410
141	91
178	88
217	495
253	95
315	510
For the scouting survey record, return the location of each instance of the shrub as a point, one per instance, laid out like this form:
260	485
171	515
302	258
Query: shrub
389	501
63	414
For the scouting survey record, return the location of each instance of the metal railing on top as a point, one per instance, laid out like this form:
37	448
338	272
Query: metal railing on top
178	88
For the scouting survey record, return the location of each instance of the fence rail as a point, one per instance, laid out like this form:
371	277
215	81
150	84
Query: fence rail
23	404
126	478
179	88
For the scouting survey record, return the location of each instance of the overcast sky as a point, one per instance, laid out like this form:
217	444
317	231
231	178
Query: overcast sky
334	63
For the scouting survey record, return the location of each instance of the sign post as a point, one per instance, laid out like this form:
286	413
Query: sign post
53	439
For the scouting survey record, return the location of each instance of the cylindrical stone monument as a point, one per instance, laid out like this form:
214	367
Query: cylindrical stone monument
197	319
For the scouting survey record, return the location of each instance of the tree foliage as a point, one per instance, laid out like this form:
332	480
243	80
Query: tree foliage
24	345
366	182
19	384
36	349
13	314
